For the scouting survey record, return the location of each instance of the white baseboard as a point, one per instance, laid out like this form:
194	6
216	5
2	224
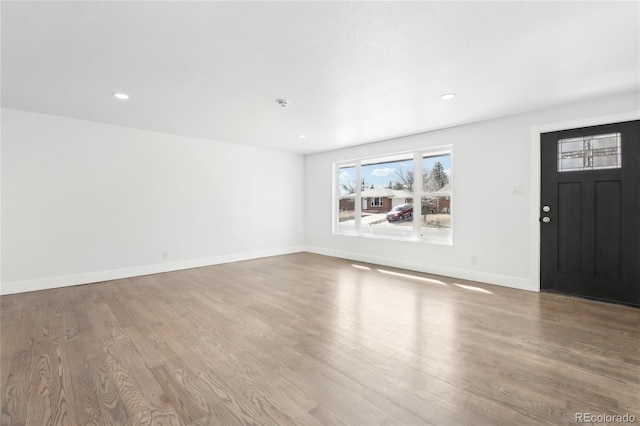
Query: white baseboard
94	277
484	277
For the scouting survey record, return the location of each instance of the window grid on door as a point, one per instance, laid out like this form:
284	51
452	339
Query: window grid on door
590	153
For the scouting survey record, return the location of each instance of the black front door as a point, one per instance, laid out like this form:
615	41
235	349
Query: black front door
590	212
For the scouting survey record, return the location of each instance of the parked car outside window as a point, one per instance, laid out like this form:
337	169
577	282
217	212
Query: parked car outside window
400	212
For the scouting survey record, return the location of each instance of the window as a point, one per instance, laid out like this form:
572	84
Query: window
376	202
435	215
346	197
381	204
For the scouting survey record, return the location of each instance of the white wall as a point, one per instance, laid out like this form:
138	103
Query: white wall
489	221
84	202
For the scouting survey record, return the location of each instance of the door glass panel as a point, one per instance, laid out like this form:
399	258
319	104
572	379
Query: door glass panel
590	153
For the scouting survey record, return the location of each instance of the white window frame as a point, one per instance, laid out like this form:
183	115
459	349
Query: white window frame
418	193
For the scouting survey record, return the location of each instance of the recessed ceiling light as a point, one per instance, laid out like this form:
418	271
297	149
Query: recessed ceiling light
302	136
448	96
121	96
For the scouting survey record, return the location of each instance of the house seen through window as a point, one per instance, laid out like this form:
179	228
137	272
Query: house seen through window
381	197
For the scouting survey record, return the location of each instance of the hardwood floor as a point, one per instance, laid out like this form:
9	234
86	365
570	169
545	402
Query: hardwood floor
305	339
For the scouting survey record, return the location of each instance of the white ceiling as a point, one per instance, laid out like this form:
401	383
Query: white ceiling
352	72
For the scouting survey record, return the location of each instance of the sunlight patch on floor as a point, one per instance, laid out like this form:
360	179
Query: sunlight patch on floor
413	277
473	288
361	267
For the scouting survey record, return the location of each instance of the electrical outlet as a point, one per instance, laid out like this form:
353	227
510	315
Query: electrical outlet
165	253
473	260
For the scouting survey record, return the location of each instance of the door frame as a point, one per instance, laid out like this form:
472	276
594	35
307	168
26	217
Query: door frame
536	131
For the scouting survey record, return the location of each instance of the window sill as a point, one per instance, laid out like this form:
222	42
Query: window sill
391	238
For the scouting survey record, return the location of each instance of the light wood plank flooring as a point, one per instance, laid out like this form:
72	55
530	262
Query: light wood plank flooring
305	339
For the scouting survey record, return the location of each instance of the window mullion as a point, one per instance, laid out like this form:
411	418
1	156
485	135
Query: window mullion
417	193
358	197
